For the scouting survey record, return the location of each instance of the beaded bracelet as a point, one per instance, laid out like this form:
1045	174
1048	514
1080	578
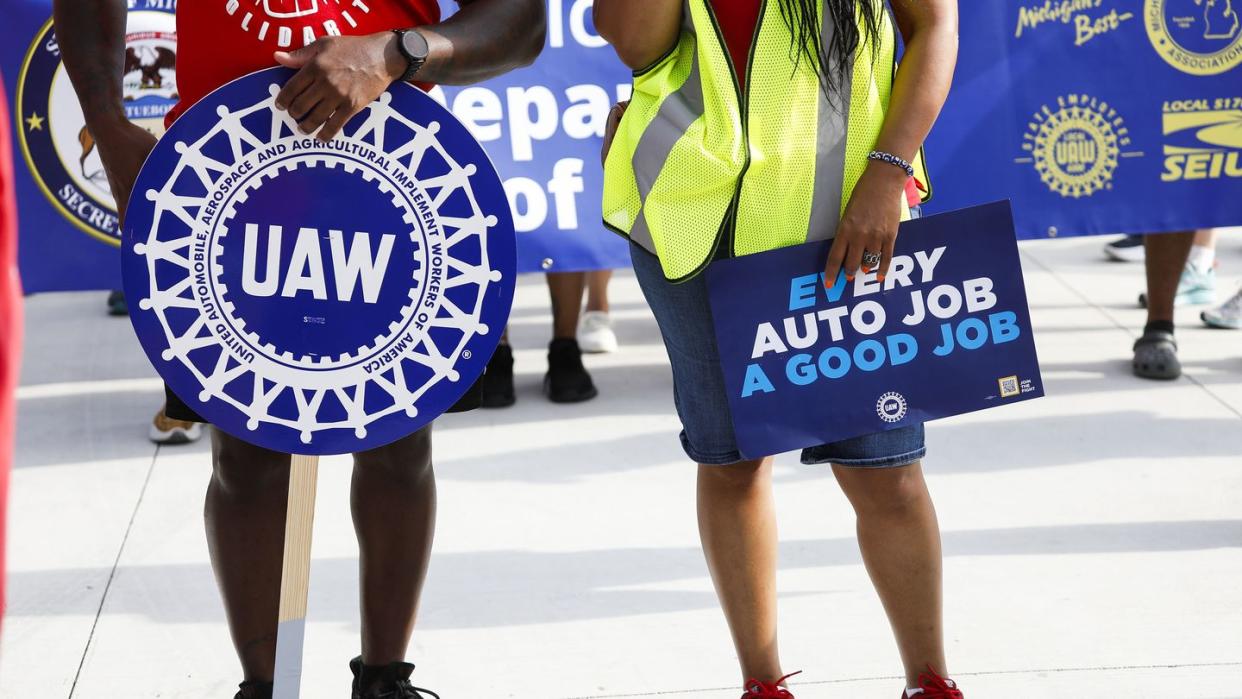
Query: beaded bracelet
892	160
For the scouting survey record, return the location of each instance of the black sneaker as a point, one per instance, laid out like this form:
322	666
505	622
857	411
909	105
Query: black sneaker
498	379
567	381
1127	249
254	690
386	682
116	304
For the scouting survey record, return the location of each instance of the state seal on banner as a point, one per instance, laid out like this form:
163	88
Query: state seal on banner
59	149
1200	37
1076	145
311	297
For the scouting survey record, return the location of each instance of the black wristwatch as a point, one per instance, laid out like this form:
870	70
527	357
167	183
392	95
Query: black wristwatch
413	46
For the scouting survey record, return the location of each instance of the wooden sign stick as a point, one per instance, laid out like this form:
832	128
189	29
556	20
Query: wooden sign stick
295	576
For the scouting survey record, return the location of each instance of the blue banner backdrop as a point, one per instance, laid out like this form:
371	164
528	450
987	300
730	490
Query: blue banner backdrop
1095	116
1092	116
947	332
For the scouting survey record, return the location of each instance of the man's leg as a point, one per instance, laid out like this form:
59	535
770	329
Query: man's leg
1166	258
1155	353
900	542
737	525
245	517
394	507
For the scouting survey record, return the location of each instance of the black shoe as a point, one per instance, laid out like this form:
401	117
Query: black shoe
254	690
567	381
498	379
116	304
386	682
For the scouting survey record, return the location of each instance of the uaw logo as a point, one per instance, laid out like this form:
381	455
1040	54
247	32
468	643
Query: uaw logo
1202	139
1076	144
317	297
891	407
284	22
59	150
1200	37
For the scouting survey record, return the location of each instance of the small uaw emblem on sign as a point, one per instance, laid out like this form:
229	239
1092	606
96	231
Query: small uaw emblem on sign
311	297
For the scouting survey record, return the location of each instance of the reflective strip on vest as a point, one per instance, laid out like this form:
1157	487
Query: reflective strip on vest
686	171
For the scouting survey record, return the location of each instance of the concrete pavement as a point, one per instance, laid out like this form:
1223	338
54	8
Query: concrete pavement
1093	539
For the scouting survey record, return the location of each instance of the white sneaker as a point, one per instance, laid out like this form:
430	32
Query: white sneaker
1228	315
595	333
165	430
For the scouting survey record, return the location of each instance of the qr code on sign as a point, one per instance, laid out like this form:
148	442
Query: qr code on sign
1009	386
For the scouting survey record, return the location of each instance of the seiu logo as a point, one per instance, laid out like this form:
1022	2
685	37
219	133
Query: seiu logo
310	267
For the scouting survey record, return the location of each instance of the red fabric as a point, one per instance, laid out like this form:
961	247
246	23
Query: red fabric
10	321
738	19
222	40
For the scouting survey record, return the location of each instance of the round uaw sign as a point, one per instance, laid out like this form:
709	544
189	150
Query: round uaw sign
313	297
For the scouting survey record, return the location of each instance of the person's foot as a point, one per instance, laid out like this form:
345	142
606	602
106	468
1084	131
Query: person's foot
1195	288
1155	356
933	686
386	682
165	430
595	334
1228	315
756	689
498	379
116	304
567	380
1127	249
254	690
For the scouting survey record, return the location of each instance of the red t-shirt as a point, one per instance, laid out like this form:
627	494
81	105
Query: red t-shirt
221	40
738	19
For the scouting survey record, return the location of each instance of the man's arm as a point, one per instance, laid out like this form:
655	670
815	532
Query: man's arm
339	76
91	36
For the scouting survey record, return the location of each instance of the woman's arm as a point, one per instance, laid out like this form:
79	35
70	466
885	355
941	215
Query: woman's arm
870	222
91	36
641	31
339	76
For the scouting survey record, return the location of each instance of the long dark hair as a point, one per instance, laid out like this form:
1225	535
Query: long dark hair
834	60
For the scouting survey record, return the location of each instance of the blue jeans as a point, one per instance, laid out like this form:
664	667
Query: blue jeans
684	315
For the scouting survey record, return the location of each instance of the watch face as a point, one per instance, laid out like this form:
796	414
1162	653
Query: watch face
415	45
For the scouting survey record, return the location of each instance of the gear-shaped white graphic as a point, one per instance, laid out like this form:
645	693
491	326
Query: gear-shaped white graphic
270	384
888	399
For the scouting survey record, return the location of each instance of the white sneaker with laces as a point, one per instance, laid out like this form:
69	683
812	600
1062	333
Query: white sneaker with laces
1228	315
595	334
165	430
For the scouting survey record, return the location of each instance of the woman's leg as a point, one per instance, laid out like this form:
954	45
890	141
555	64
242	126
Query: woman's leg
394	507
597	290
245	518
565	289
737	525
900	542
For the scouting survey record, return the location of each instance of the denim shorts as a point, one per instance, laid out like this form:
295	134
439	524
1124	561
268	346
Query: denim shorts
684	315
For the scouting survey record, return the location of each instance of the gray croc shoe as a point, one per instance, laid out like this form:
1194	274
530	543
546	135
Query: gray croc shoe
1155	356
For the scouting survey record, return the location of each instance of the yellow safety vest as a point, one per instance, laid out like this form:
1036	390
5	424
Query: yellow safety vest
699	161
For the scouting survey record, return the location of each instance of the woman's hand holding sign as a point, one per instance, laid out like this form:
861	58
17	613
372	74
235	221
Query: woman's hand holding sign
869	223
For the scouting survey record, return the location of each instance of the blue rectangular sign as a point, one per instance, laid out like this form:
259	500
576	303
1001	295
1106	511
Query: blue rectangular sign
947	332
